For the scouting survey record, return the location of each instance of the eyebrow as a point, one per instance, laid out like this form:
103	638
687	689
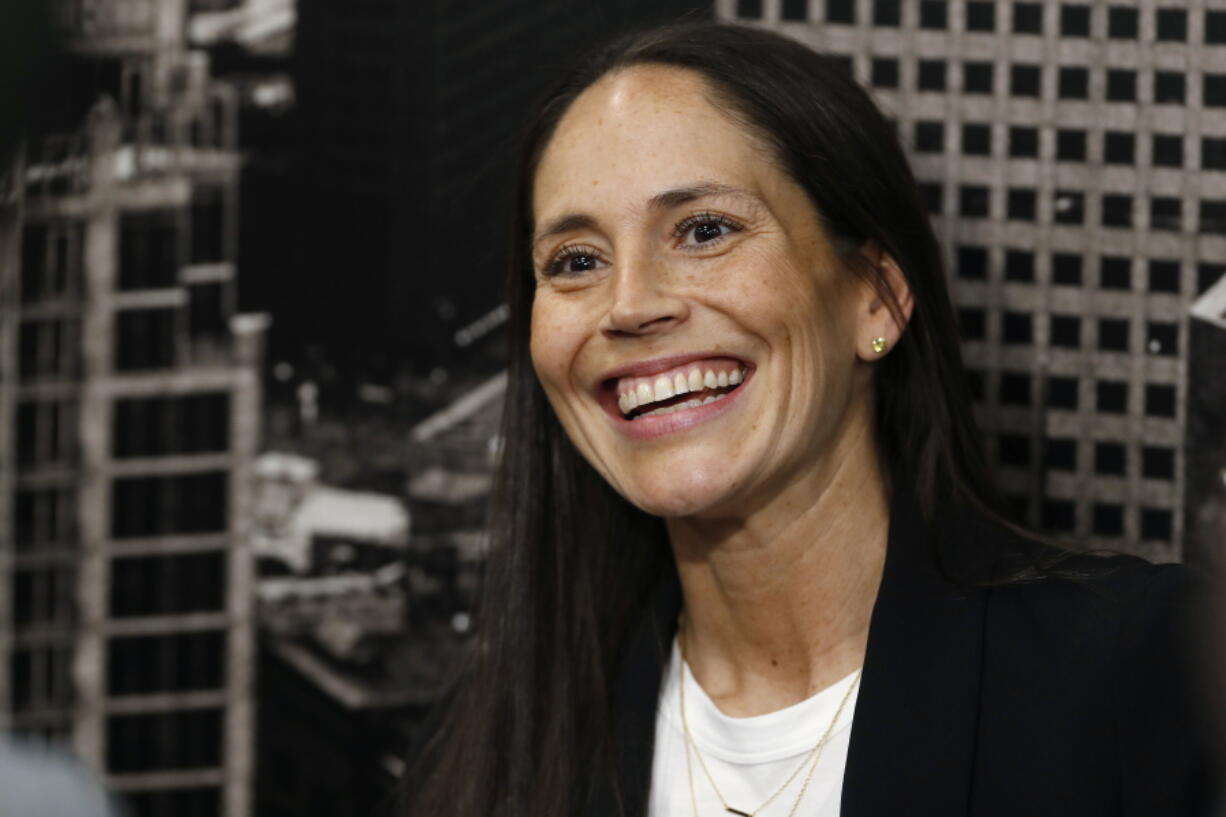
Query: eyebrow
660	201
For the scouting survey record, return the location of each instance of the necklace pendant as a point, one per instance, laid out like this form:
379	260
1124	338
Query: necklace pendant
732	810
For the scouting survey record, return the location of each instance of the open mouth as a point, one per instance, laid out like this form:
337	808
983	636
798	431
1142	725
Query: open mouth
687	386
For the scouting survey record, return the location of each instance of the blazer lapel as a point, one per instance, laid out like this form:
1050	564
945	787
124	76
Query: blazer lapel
913	738
912	746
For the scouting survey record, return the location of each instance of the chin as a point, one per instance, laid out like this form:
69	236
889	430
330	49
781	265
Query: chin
672	495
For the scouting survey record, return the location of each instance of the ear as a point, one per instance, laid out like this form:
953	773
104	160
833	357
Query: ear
888	305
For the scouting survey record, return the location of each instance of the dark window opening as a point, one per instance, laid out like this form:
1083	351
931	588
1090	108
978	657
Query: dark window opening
1070	145
749	9
1113	334
1024	80
1172	25
1074	21
795	10
934	14
1170	88
931	75
1066	331
1018	327
1122	23
1028	18
1019	266
164	426
1015	388
168	585
1168	150
1066	269
1112	396
1213	216
208	211
1164	276
1157	463
841	11
1119	147
140	665
1069	207
1107	519
1062	392
169	505
973	201
972	262
1021	204
44	518
1023	141
1166	213
1159	400
1014	450
1213	153
149	249
1162	338
1115	272
887	12
977	77
885	72
1117	210
929	137
144	339
1215	90
1110	459
1060	455
1074	83
976	140
1157	524
1121	85
189	739
980	15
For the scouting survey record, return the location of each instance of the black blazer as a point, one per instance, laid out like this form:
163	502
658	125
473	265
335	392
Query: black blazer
1054	697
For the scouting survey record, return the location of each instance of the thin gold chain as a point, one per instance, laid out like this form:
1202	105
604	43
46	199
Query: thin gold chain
810	760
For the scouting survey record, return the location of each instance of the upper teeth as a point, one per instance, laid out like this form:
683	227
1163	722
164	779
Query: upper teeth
635	393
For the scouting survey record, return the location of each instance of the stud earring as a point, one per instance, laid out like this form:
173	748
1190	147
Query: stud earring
879	345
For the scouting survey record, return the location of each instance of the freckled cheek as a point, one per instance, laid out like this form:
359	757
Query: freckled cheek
555	343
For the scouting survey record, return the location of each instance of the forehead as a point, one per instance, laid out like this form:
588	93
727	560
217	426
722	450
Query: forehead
638	131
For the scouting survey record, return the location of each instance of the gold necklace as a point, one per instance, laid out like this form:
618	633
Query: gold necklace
810	760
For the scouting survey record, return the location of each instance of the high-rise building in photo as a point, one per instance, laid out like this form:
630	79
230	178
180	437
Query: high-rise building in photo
129	407
1073	157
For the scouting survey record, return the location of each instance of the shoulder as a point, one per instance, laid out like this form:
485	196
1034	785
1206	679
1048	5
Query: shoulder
38	782
1107	653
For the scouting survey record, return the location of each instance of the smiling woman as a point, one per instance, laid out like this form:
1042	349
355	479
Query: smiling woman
746	556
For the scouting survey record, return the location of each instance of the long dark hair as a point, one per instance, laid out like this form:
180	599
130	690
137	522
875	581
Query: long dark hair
570	561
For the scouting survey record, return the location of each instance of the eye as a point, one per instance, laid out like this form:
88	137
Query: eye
573	260
705	229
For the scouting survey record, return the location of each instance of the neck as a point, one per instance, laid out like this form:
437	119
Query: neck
777	602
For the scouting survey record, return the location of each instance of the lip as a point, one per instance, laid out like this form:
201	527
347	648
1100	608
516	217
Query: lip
655	365
658	425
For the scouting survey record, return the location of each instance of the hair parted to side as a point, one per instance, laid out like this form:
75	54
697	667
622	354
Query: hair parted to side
526	727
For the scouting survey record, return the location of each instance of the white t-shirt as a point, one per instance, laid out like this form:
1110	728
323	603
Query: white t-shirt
749	758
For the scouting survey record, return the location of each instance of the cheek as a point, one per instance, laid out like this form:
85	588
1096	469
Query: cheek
557	334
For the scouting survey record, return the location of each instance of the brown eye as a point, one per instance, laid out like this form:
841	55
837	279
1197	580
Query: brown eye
580	263
704	229
708	231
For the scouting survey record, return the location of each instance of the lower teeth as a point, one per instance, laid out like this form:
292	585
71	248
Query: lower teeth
687	404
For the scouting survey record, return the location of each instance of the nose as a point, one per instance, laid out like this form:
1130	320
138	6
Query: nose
642	302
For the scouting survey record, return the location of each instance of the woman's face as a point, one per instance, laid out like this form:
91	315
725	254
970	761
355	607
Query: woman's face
692	327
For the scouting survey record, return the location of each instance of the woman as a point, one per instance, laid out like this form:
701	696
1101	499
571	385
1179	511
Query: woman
746	558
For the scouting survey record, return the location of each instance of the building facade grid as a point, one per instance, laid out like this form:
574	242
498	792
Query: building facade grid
1073	158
